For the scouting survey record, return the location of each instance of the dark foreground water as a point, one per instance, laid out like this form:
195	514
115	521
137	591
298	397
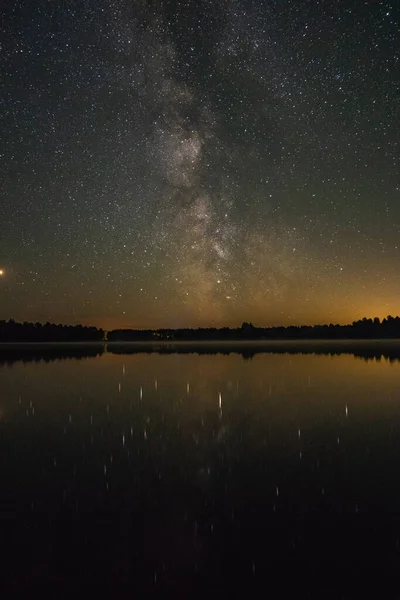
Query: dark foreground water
259	475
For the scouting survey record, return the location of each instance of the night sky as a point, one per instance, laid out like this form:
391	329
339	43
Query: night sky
199	163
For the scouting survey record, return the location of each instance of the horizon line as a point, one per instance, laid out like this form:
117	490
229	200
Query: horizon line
245	324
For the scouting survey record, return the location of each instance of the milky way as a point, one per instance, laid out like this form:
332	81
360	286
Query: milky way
199	163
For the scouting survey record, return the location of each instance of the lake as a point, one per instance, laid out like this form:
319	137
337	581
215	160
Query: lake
271	472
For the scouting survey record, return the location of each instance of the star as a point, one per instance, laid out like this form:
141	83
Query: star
213	159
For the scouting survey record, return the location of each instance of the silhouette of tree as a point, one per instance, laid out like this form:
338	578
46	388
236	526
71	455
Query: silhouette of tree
10	331
366	328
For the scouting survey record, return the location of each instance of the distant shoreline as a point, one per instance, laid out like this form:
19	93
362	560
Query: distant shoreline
212	343
200	342
364	329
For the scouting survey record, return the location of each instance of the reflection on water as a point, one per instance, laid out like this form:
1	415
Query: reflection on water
368	349
199	474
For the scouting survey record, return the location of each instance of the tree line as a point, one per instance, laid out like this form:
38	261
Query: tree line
11	331
362	329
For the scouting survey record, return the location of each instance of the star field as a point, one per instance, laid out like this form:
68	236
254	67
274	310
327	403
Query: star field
199	163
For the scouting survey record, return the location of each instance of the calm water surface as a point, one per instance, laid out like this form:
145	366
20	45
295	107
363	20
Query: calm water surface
192	476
